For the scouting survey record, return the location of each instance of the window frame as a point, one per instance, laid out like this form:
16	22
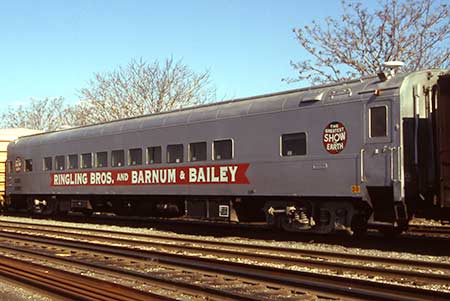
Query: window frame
295	156
44	165
112	156
147	155
182	153
97	160
387	134
63	161
68	161
28	165
130	159
190	151
213	151
82	161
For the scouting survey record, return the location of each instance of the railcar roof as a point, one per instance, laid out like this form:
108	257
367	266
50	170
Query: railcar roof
266	103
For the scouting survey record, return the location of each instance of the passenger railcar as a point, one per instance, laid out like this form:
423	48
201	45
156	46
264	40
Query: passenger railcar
370	152
6	136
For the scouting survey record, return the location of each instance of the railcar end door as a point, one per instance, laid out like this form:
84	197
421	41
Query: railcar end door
378	153
380	158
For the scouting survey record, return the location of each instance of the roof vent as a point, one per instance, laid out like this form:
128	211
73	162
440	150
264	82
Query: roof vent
310	96
393	66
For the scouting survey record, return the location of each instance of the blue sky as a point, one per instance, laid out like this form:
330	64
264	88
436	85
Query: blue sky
52	48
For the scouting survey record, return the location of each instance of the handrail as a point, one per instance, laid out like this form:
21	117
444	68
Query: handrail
391	162
362	165
399	164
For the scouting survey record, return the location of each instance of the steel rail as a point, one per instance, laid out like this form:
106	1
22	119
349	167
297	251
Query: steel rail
69	285
347	287
192	289
429	230
282	253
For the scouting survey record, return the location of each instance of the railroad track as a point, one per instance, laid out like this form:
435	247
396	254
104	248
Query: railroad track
430	230
147	270
69	285
300	257
288	270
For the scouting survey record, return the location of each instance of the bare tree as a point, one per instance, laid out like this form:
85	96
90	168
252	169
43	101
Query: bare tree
46	114
416	32
141	88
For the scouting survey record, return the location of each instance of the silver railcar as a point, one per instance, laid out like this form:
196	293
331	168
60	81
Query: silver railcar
371	152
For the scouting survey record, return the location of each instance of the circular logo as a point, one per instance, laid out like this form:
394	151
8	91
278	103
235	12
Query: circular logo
334	137
18	164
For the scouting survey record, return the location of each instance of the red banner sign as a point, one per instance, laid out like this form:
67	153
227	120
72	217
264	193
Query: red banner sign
208	174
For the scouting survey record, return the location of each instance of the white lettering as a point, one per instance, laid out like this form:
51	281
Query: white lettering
172	176
214	178
122	177
201	175
195	175
148	176
163	175
140	177
134	176
233	170
155	176
223	174
68	179
192	175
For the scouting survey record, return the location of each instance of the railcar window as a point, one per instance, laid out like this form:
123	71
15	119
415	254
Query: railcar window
60	163
29	165
117	158
378	122
47	163
135	156
86	160
175	153
101	159
293	144
154	154
197	151
73	161
223	149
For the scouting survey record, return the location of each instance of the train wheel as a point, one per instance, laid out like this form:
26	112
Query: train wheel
50	208
359	225
30	206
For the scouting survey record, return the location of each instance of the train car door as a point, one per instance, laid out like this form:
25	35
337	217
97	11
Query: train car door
377	152
380	157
